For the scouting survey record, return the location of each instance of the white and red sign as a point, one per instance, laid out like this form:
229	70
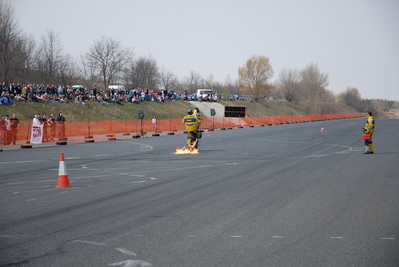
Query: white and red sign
37	134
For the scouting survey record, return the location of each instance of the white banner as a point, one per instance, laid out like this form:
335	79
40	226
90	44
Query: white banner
37	134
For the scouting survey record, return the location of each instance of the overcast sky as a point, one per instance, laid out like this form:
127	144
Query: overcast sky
356	42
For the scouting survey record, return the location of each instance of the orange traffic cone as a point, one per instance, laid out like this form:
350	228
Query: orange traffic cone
322	129
63	180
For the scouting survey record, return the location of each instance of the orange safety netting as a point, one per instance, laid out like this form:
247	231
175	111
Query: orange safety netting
109	128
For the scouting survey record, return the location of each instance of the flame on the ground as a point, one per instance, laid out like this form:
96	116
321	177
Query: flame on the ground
185	150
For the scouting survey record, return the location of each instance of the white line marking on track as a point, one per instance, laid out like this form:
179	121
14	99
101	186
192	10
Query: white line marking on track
358	149
17	162
236	236
68	169
336	237
278	236
126	252
131	263
33	199
387	238
138	182
90	242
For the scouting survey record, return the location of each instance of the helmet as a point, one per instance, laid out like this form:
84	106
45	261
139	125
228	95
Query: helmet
190	112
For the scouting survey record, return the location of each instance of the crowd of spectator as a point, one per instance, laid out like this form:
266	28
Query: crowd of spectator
14	93
52	127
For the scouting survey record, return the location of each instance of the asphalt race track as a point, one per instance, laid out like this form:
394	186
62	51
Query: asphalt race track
285	195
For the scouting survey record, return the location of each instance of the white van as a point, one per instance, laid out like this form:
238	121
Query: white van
202	94
117	88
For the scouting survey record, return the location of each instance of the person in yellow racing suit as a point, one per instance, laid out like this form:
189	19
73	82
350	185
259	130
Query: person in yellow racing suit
369	128
197	114
191	121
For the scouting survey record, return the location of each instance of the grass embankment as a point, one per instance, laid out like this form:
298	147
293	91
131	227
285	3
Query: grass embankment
75	112
285	108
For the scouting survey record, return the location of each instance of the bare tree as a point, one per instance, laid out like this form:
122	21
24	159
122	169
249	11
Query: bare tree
328	96
110	58
168	80
210	81
67	70
29	46
143	73
218	87
192	82
231	87
49	56
313	82
88	71
11	44
351	97
179	86
288	84
253	77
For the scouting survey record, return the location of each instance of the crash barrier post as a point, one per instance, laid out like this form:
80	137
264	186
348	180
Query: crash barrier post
88	136
61	133
29	129
126	127
171	129
110	134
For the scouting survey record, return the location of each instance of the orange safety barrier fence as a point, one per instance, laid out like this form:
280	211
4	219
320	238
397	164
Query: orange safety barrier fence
88	129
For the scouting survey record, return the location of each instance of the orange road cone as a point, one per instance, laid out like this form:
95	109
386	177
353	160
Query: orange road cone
63	180
322	129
